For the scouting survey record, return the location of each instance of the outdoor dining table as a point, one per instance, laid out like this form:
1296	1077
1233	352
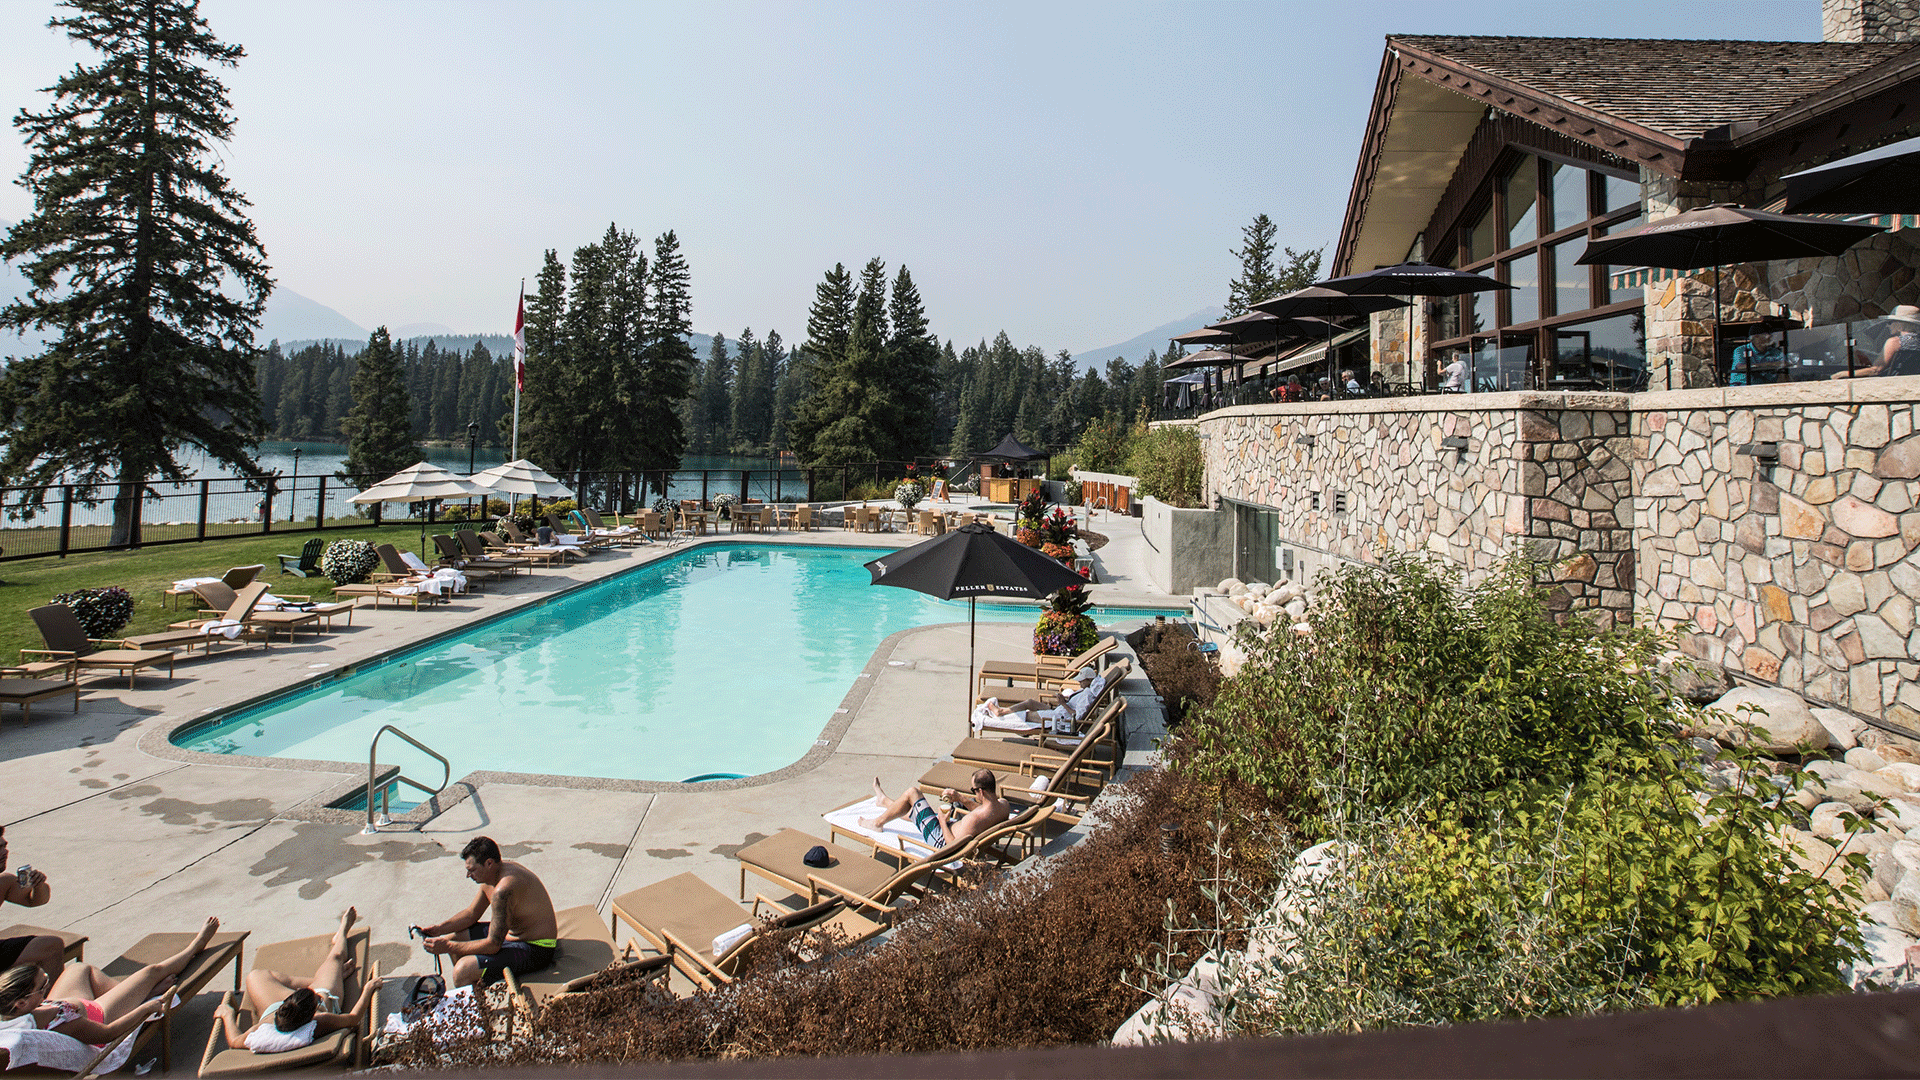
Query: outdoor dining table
694	521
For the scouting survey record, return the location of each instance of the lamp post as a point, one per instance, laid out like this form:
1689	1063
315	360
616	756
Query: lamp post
473	436
293	490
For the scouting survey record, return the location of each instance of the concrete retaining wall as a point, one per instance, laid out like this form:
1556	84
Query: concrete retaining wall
1186	548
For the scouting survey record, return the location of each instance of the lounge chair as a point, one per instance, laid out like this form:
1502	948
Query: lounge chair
237	578
625	535
399	577
585	948
1097	750
345	1049
1043	672
450	579
305	564
271	619
65	640
683	918
228	626
520	541
225	948
451	554
24	692
1070	781
566	538
500	547
473	548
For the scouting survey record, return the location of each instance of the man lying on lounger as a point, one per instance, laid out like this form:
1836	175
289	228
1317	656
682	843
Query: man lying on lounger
1062	707
985	809
523	935
28	888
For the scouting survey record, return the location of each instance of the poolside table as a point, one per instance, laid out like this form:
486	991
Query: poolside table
694	521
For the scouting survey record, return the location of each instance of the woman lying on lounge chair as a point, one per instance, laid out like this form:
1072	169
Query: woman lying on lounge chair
296	1010
86	1004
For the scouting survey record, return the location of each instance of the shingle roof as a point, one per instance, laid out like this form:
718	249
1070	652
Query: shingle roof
1681	88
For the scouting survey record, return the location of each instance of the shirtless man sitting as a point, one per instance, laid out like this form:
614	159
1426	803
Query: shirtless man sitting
523	935
984	809
28	888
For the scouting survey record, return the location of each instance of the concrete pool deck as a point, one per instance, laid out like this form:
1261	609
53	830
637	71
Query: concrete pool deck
137	836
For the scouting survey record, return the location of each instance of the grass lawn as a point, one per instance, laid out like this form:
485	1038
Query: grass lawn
30	583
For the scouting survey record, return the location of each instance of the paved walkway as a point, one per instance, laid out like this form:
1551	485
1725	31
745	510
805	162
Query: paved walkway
137	836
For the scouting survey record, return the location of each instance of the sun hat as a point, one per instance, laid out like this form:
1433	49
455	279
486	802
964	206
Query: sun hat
1906	313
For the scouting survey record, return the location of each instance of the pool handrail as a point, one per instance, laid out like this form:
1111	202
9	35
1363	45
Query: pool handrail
373	768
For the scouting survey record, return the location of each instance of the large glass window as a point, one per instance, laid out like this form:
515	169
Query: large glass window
1570	292
1608	353
1569	196
1522	195
1480	238
1523	302
1618	193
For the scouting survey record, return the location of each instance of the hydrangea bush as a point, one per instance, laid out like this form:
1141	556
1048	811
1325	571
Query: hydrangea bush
909	493
102	612
348	561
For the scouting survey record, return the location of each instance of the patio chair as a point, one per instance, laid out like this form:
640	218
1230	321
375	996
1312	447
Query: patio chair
227	626
344	1049
705	934
448	580
287	620
624	535
585	948
1044	672
451	554
1099	744
24	692
518	539
1068	782
305	564
65	640
395	573
475	548
226	948
237	578
805	518
567	538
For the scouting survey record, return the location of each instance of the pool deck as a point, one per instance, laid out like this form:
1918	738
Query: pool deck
137	836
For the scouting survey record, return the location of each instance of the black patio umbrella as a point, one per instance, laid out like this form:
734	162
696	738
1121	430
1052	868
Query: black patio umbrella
1329	304
1413	279
1204	358
1720	234
973	561
1883	181
1201	336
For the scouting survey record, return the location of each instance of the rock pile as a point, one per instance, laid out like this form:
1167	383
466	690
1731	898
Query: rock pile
1285	603
1861	790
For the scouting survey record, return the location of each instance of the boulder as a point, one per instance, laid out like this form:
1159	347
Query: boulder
1900	813
1843	731
1237	590
1230	584
1905	899
1879	911
1830	770
1906	853
1698	681
1886	964
1782	723
1296	608
1186	1012
1904	772
1862	758
1824	819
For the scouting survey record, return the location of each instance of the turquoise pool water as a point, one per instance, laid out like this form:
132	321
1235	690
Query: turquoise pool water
722	659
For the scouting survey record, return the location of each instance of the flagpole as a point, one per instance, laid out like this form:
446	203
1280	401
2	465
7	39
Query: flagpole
519	366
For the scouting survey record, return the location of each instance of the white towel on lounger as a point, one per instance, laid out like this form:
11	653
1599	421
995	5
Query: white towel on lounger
227	628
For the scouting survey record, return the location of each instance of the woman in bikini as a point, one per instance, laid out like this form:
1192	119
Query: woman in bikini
295	1010
88	1005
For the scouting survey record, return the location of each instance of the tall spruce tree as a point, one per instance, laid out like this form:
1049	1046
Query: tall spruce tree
379	427
543	403
664	372
829	324
139	257
739	422
1256	281
852	397
714	403
912	367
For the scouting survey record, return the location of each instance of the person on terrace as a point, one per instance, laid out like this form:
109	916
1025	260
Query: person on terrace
523	935
28	888
296	1010
84	1003
984	809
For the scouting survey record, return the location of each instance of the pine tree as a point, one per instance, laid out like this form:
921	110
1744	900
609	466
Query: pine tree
714	413
664	370
139	255
1256	281
829	324
546	362
911	362
379	427
738	425
852	396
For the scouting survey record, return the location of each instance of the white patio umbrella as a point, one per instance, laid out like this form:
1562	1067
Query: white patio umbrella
420	482
521	477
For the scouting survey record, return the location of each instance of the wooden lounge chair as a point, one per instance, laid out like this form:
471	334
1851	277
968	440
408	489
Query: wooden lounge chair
24	692
1043	672
1071	780
191	633
497	546
1098	750
343	1049
75	944
305	564
524	544
472	547
284	620
452	554
237	578
625	535
65	640
585	947
567	538
681	918
225	948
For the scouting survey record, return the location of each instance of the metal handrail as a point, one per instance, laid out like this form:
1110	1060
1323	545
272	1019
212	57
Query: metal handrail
373	768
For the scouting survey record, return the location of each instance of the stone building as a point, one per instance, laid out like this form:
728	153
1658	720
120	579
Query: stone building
1772	528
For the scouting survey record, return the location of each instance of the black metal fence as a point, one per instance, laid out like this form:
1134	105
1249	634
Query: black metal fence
68	519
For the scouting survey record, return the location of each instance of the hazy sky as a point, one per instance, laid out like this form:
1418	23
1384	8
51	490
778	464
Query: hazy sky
1073	174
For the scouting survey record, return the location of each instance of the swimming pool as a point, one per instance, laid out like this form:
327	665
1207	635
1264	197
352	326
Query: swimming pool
720	659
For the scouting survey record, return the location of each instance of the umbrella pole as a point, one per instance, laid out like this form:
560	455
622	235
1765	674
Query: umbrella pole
967	690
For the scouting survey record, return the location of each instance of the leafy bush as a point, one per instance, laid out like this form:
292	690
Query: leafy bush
909	493
1032	512
523	510
1073	492
1168	464
348	561
1475	715
1104	447
101	612
490	509
1183	677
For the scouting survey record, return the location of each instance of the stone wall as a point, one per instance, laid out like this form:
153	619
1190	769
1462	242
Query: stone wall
1869	20
1803	573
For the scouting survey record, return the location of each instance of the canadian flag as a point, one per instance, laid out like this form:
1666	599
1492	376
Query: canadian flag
520	343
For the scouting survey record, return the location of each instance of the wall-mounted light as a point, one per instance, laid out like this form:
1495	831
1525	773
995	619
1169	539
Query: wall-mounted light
1766	453
1303	440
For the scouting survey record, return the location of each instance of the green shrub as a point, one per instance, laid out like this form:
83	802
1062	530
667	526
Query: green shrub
1168	464
1103	447
101	612
348	561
